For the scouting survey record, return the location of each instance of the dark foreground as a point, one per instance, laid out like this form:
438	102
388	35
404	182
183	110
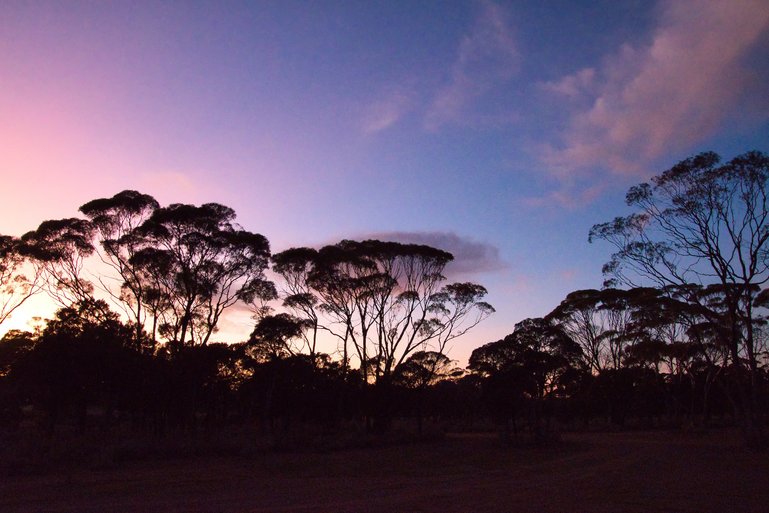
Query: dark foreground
596	472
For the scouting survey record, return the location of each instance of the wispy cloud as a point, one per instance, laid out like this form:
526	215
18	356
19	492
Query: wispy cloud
487	57
649	101
568	275
567	196
387	110
573	85
170	186
470	256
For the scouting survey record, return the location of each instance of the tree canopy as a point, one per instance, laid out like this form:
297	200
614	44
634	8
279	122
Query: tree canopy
703	223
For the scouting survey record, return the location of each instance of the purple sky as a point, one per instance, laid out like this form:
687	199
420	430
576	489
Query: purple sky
500	131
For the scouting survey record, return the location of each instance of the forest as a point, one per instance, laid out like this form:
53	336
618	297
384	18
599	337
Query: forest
676	337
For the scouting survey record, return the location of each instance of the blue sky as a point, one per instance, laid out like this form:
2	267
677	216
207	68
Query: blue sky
501	131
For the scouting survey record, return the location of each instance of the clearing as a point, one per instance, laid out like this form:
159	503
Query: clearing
588	472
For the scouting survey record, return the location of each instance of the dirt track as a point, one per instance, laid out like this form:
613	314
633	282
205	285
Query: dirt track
628	472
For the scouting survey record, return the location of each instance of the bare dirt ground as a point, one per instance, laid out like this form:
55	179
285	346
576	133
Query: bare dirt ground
590	472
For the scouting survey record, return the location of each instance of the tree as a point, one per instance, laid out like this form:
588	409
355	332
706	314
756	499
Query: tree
14	348
601	322
384	300
704	223
534	363
425	368
18	280
294	266
60	248
14	345
82	358
116	220
154	271
207	262
422	370
271	338
547	353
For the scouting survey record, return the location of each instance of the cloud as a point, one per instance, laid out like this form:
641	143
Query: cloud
169	186
572	85
667	96
387	110
568	196
487	57
470	256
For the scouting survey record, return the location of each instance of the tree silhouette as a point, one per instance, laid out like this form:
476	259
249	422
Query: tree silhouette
209	263
154	271
83	358
19	280
425	368
116	220
389	299
383	301
602	323
535	362
294	266
13	346
704	223
272	335
60	248
422	370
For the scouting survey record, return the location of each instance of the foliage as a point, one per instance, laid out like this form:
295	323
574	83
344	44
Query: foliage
18	280
59	249
382	300
707	224
693	348
116	220
207	265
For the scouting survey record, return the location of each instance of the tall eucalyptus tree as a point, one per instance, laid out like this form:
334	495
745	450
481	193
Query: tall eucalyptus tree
383	300
208	263
116	220
60	248
705	223
18	280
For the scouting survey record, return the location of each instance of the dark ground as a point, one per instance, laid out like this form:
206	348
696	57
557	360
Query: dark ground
587	472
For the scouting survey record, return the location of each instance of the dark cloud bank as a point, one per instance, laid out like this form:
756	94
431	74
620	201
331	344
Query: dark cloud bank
470	256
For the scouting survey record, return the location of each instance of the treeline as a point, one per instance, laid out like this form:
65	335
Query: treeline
689	348
643	357
600	358
172	272
82	371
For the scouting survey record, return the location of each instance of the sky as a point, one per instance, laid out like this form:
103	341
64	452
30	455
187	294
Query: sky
499	131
